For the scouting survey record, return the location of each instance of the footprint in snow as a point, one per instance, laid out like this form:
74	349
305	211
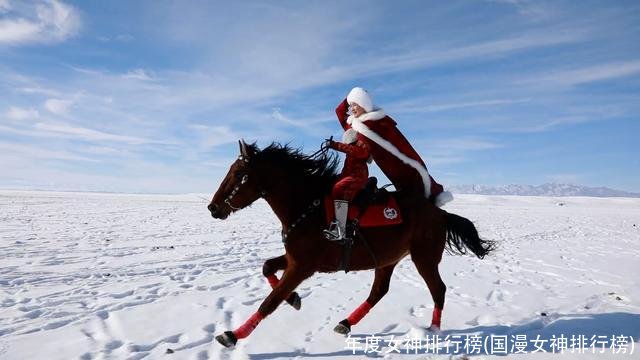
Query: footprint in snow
103	314
122	295
112	345
419	311
389	328
33	314
220	302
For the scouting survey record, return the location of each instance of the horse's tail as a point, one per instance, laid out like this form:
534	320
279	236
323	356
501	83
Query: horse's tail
462	236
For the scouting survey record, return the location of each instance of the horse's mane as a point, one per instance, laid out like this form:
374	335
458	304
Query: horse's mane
319	171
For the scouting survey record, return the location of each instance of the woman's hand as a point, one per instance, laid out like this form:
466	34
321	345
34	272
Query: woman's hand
328	143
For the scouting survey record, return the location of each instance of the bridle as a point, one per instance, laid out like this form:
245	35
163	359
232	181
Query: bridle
243	180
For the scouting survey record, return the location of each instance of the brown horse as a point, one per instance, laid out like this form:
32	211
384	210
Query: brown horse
294	185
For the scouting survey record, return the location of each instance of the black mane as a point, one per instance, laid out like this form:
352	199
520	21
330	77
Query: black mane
320	171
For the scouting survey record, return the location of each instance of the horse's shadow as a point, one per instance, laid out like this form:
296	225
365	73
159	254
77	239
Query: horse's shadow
543	329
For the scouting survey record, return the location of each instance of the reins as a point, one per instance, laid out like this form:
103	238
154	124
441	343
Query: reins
321	152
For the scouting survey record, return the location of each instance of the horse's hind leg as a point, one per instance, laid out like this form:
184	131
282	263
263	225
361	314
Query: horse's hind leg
269	270
378	290
427	266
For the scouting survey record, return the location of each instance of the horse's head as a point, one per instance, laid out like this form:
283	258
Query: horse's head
240	188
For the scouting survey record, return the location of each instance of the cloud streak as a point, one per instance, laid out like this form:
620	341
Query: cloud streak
415	106
585	75
35	152
65	131
46	21
17	113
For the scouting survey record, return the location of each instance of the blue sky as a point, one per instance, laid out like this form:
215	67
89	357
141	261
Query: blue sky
152	96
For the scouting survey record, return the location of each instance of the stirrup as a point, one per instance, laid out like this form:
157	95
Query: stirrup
334	233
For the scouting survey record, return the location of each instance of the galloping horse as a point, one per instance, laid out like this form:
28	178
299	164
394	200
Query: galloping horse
294	185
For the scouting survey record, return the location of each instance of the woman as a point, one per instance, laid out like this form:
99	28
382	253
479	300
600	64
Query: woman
397	159
352	179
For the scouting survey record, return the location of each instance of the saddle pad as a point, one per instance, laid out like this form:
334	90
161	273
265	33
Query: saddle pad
374	215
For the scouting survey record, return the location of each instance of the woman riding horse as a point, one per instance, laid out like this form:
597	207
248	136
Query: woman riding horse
293	185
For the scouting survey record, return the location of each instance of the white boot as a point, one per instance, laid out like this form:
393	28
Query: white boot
338	228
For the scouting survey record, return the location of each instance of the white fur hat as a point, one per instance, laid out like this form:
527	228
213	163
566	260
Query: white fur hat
361	97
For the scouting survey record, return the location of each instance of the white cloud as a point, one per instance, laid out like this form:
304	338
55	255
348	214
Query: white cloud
59	19
583	75
415	105
16	113
277	115
65	131
39	90
105	151
139	74
216	86
27	171
16	31
124	38
119	38
89	134
534	10
57	106
36	152
430	56
453	150
4	6
44	21
465	144
212	136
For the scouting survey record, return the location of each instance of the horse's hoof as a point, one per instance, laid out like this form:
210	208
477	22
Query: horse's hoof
227	339
343	327
294	300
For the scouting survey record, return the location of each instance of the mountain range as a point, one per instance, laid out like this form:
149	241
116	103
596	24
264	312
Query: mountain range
551	189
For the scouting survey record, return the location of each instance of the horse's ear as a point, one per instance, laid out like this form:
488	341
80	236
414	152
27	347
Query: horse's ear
244	151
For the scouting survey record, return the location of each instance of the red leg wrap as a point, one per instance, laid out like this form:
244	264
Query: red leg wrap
436	317
273	280
247	328
359	313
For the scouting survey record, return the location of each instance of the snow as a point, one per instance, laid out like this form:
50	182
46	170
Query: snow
96	276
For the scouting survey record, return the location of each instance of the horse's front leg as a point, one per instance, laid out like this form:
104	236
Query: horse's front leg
292	277
379	289
269	270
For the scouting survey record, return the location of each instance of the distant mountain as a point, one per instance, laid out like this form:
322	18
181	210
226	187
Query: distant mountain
542	190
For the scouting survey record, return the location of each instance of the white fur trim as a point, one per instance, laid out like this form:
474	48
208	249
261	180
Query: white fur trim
361	97
376	114
443	198
363	129
349	136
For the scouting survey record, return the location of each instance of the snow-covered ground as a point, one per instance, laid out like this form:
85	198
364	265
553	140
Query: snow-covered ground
94	276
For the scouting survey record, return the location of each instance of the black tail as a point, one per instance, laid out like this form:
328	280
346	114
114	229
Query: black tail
462	236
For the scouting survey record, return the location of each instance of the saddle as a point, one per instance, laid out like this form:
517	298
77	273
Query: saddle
371	207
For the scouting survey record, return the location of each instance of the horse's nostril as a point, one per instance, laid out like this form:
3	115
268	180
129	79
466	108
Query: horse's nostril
212	208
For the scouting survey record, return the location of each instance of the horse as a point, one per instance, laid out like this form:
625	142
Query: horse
294	185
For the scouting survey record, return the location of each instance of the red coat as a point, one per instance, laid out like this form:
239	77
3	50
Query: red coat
355	170
397	159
